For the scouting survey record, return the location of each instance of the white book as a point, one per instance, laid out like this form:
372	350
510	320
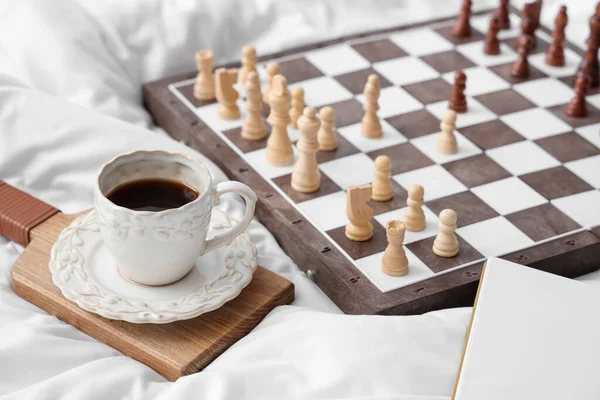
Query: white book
533	335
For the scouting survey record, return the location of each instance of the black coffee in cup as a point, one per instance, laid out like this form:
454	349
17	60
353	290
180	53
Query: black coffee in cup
152	194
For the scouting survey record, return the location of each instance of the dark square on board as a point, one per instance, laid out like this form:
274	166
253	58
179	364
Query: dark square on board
446	32
327	187
505	102
347	112
431	91
540	45
477	170
379	50
397	202
423	250
415	124
448	61
345	148
592	117
568	147
542	222
357	250
405	157
555	182
504	70
468	207
355	81
491	134
298	69
188	92
246	146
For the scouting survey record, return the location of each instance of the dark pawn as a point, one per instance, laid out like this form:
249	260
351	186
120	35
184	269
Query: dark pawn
589	64
458	101
502	14
462	26
520	68
555	55
492	44
576	107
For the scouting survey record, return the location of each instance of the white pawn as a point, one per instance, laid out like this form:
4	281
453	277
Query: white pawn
371	127
254	127
326	136
446	143
306	177
394	261
382	186
414	218
446	244
249	60
297	106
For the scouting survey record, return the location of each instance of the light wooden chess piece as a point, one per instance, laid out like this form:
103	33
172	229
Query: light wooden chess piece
414	218
446	143
279	146
382	185
306	177
326	136
272	70
254	127
249	60
446	244
359	213
226	94
204	88
394	261
297	106
371	127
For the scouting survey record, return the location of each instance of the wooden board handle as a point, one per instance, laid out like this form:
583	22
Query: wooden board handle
20	213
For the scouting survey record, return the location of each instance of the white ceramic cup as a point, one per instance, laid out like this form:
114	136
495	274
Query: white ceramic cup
158	248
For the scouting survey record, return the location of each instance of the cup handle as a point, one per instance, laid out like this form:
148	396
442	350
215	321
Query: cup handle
250	199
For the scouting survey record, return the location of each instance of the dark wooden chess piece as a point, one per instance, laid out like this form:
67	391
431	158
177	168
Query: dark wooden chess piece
462	26
458	101
576	107
589	64
502	14
531	20
492	44
520	68
555	55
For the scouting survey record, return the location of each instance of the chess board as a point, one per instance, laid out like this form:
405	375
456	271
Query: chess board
524	183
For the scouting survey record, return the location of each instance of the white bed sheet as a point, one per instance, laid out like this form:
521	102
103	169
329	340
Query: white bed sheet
70	99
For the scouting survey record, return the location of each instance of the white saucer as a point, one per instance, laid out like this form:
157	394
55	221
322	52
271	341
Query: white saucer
85	272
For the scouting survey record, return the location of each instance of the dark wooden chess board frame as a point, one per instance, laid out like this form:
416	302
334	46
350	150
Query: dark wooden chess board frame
569	256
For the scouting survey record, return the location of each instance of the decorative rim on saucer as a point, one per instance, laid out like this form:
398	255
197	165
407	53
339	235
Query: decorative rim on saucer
72	275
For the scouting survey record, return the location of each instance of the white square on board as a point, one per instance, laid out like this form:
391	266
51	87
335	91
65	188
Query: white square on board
479	81
393	101
546	92
337	60
419	42
583	208
390	137
428	145
371	267
474	52
535	123
482	24
322	90
208	114
354	170
587	169
495	237
436	181
258	160
326	212
522	157
406	70
572	61
476	113
591	133
431	223
508	195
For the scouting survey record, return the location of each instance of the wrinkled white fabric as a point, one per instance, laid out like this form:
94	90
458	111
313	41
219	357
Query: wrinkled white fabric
70	99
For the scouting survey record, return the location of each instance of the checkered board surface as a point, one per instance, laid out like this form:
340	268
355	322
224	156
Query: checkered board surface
525	173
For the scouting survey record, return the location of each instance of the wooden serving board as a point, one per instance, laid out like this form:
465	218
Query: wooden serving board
173	350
